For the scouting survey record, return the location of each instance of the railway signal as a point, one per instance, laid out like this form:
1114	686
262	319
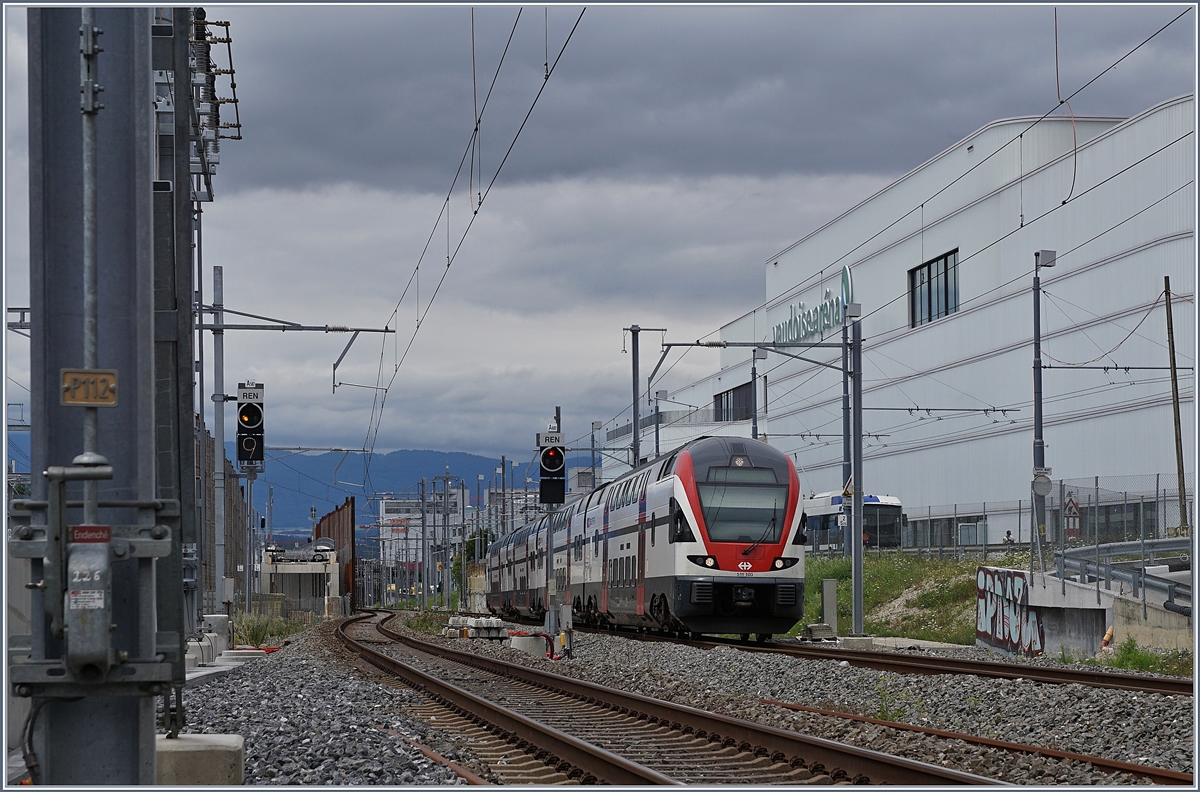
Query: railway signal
250	422
553	458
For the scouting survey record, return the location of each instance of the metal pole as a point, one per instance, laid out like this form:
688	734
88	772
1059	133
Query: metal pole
1183	516
846	420
201	501
633	331
754	394
423	571
249	533
218	399
91	300
856	419
1096	528
503	497
1142	536
1041	258
594	428
656	414
1062	537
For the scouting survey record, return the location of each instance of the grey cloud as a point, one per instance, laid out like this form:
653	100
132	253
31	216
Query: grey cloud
383	95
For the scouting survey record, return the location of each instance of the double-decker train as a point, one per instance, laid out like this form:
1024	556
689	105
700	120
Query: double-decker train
708	538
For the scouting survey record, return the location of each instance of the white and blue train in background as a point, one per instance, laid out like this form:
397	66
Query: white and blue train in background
882	520
708	538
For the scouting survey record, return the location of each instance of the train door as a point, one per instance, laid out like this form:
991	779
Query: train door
641	570
604	581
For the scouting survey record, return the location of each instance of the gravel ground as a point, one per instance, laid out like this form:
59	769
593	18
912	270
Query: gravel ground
308	718
1134	727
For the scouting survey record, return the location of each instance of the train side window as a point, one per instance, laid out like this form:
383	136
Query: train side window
801	537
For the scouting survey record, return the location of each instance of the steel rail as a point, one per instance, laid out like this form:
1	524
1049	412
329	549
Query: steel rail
778	744
1158	775
591	760
933	664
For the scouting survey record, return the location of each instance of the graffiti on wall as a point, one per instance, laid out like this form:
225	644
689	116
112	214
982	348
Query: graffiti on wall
1003	618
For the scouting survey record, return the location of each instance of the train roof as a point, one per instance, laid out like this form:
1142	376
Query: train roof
834	498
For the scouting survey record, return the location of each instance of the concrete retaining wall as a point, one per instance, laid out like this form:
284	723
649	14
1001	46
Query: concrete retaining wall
1161	628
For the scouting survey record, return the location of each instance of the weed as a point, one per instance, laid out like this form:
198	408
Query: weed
1131	657
884	700
429	622
255	629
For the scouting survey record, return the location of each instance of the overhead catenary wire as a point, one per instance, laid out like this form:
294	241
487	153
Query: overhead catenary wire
373	431
916	207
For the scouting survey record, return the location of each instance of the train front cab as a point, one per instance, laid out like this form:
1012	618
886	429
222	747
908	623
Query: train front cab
748	499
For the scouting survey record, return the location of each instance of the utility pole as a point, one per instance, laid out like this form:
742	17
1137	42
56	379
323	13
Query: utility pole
1183	515
218	399
855	312
596	427
755	355
423	571
846	466
250	476
503	497
658	397
1041	258
96	622
634	330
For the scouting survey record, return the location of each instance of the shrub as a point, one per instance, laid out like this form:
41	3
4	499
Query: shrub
255	629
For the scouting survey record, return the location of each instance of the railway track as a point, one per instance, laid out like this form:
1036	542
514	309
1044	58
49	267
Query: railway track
933	664
1156	775
593	734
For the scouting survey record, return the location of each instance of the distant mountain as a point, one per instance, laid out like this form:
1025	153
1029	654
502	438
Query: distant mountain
302	481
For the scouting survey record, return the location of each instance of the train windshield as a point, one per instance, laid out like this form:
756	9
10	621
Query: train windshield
881	523
743	513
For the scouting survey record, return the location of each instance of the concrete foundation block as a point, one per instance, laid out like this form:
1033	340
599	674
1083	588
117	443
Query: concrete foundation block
534	645
242	654
201	760
858	643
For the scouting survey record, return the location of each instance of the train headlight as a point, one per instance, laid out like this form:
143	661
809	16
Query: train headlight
778	563
710	561
784	563
704	561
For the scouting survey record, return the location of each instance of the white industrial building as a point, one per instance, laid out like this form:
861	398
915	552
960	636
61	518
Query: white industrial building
941	262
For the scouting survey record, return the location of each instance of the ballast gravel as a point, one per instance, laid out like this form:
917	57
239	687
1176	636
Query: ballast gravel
307	717
1140	728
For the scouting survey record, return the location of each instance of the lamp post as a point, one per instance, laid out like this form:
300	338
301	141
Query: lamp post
1041	258
756	355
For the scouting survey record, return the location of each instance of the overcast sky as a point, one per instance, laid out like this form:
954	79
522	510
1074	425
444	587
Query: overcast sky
672	152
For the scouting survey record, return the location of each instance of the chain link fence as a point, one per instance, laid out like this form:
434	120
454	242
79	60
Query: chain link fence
1080	511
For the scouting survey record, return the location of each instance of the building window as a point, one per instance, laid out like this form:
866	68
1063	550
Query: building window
733	404
933	289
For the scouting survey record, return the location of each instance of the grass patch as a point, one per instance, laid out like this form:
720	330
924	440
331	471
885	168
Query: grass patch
429	622
256	629
1131	657
944	610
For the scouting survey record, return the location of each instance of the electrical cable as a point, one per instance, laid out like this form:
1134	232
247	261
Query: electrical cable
791	291
1119	344
470	223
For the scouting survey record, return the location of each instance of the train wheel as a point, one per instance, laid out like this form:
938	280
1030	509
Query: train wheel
763	637
745	636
